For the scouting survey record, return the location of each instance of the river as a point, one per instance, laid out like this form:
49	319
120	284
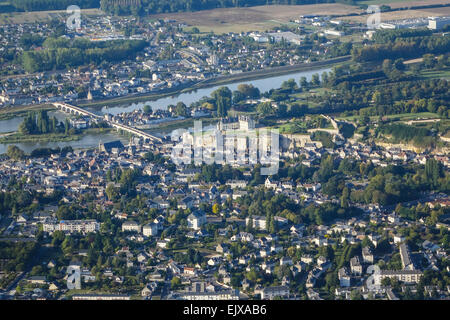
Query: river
193	96
92	140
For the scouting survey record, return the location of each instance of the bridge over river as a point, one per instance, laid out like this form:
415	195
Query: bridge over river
65	107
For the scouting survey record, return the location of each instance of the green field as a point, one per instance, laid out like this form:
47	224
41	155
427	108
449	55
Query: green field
399	117
40	16
51	137
436	74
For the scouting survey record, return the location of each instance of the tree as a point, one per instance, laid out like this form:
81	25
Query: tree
15	152
303	82
216	208
345	197
223	98
264	109
238	96
315	80
66	126
111	192
175	283
181	110
429	61
356	295
289	85
147	109
249	91
433	171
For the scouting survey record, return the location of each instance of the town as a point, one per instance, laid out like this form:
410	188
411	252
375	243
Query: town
358	208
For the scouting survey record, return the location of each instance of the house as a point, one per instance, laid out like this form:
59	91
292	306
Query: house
223	248
312	187
72	226
21	219
367	255
111	147
270	185
269	293
131	226
407	276
285	261
87	276
344	277
398	239
307	258
355	266
53	287
37	280
186	203
214	261
405	257
196	219
236	183
142	257
257	222
162	243
242	236
149	289
150	229
188	271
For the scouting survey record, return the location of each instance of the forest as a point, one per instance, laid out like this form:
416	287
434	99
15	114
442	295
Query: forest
62	53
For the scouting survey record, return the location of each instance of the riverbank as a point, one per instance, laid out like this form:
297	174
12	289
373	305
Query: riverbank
12	112
52	137
222	80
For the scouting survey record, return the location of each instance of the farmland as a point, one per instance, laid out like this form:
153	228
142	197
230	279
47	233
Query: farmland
403	14
394	4
39	16
258	18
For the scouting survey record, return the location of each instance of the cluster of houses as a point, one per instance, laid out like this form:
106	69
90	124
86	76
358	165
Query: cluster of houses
191	63
83	172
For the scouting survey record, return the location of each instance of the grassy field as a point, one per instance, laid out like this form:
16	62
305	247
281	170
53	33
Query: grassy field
399	117
39	16
51	137
439	74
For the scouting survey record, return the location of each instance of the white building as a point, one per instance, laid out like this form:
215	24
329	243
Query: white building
287	36
332	32
258	222
344	277
437	23
196	219
131	226
367	255
407	276
72	226
355	265
150	229
269	293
